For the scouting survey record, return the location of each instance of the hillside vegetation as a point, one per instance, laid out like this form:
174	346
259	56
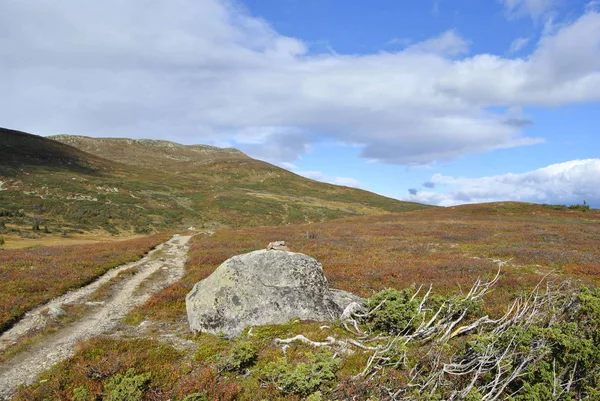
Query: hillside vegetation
447	248
69	184
31	277
451	343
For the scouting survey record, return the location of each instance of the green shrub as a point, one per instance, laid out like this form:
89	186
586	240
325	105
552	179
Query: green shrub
81	394
304	378
317	396
583	208
2	242
570	352
243	355
129	386
393	311
580	207
209	347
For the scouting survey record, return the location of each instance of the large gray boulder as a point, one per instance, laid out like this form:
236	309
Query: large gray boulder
263	287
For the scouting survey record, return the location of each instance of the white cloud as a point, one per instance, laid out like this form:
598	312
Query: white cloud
448	43
402	42
563	183
518	44
532	8
203	71
319	176
288	166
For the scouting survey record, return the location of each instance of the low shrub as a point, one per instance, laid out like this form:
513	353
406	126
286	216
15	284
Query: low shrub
128	386
305	378
196	397
82	394
393	311
243	355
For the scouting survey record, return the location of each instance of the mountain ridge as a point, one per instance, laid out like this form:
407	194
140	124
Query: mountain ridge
120	185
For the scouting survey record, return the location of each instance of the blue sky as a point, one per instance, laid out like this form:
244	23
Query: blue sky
443	102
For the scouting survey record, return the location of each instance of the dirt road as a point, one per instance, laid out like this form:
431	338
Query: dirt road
102	318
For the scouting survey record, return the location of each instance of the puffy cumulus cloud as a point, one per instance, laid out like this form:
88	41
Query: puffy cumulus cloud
563	183
319	176
204	71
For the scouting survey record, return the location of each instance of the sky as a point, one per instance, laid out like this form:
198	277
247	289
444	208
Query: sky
443	102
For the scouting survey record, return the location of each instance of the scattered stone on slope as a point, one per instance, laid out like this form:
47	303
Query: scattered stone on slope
263	287
56	311
277	246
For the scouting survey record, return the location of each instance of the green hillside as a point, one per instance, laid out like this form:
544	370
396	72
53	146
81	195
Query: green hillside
74	184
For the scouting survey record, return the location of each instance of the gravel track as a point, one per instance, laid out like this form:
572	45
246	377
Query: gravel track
102	318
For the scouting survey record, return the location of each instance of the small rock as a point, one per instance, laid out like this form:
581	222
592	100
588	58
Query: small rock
277	246
95	303
56	312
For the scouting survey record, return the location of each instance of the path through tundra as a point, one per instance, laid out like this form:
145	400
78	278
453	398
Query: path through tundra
168	258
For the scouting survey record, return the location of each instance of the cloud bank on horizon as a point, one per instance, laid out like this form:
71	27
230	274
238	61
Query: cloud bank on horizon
571	182
207	71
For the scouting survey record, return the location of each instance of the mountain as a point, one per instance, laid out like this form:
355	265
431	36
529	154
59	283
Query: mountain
73	184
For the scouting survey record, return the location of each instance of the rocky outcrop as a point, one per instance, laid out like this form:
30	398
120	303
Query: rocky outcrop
263	287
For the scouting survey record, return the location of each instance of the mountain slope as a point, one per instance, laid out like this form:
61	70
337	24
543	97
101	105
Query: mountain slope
19	149
231	173
137	186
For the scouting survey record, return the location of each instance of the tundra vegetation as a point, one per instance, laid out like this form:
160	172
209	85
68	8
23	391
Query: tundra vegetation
31	277
441	320
545	346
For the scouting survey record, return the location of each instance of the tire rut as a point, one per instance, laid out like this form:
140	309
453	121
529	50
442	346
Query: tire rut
27	365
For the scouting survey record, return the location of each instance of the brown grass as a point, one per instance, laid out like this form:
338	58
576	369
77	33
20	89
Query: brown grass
30	277
17	242
448	248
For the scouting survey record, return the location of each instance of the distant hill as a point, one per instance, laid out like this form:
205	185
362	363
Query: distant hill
156	154
72	183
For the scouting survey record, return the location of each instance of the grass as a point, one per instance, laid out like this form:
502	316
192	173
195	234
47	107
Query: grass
31	277
18	242
448	248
